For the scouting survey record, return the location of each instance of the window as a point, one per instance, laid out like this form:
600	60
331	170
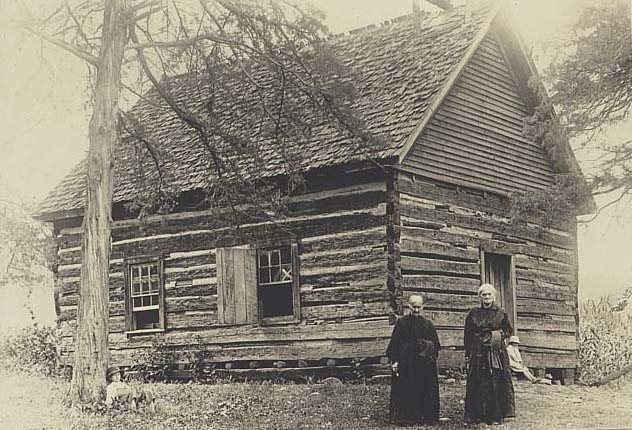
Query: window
498	270
275	282
258	285
144	295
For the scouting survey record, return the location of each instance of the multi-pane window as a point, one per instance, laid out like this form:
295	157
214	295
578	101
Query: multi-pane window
145	305
275	266
275	282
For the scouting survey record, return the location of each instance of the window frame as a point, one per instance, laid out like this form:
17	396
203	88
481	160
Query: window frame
130	321
230	295
296	295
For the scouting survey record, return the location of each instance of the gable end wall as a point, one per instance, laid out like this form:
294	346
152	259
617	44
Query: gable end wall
475	138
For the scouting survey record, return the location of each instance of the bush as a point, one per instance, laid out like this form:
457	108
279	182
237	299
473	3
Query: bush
605	339
153	364
162	363
32	350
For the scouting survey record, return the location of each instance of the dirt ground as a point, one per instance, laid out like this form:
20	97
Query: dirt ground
28	402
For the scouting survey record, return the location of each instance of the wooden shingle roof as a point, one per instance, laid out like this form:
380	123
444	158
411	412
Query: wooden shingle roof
400	67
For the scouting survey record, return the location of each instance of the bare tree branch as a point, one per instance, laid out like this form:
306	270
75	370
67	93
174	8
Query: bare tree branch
10	263
154	7
133	10
180	43
150	148
139	95
624	193
79	26
89	58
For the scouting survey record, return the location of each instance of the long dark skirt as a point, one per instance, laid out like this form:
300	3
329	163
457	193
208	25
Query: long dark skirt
415	395
489	395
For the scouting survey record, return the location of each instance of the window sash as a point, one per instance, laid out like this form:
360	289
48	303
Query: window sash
272	269
276	268
144	303
144	279
144	291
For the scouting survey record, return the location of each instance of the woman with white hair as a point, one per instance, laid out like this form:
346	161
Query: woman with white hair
413	352
489	395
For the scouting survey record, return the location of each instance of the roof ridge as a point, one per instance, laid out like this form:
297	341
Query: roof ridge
425	15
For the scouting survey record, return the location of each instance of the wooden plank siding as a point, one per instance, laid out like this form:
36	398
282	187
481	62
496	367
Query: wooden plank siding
475	138
341	236
441	230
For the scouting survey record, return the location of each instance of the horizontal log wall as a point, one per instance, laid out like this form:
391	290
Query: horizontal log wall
352	267
344	301
440	233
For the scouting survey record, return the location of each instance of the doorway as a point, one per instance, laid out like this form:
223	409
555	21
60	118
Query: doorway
498	270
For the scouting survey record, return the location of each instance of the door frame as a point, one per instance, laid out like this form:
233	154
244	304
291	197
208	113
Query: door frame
510	294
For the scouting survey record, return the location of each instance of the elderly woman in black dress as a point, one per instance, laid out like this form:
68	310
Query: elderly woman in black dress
489	395
413	351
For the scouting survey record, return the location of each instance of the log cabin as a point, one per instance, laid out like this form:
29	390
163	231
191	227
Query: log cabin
450	91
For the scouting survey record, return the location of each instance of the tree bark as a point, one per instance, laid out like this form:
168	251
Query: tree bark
91	356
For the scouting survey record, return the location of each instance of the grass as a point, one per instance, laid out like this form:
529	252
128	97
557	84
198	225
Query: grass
30	402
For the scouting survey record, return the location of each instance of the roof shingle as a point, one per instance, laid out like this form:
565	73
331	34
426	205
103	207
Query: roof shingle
398	68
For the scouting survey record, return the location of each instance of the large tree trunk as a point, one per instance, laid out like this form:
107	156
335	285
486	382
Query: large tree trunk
91	355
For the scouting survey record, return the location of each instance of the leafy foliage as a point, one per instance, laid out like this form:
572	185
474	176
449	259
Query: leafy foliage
27	253
33	350
590	83
595	73
549	207
605	339
152	364
569	193
157	362
27	249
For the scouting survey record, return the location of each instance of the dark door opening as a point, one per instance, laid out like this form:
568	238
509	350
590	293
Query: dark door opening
498	271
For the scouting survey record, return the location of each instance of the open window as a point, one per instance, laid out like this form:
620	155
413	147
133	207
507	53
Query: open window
258	285
275	282
498	270
144	295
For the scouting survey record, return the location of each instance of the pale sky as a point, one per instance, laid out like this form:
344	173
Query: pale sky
44	120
